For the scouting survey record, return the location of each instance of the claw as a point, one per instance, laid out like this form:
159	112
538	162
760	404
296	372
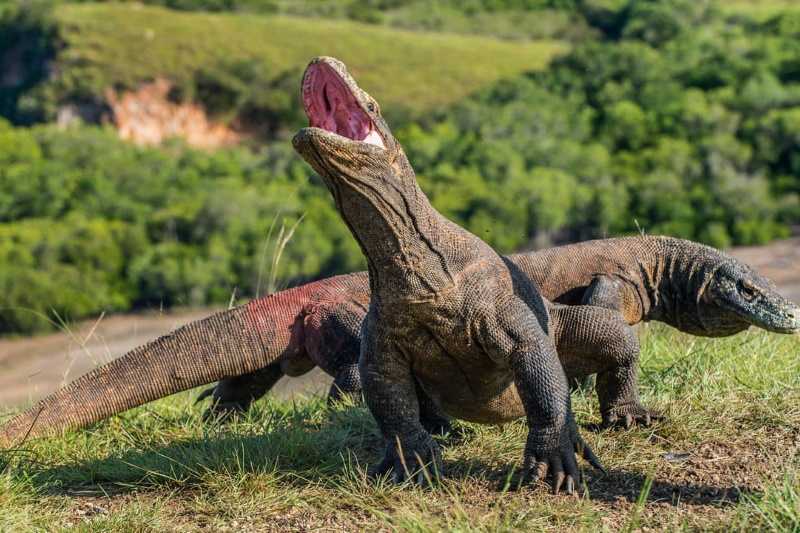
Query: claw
642	416
592	459
382	468
540	470
558	480
627	421
588	455
413	469
570	488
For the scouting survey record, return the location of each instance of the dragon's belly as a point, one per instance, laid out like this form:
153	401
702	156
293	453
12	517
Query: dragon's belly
466	383
442	341
488	406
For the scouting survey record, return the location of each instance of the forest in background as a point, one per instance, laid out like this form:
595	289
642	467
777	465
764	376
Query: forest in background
671	117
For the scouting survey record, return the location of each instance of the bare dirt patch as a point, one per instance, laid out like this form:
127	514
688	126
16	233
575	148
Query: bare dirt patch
33	368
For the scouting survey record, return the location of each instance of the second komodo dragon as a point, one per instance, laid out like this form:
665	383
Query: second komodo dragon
289	333
693	287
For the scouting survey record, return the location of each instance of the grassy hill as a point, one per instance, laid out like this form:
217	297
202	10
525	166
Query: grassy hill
122	44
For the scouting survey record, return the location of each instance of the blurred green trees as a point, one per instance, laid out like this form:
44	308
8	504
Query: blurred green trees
678	121
673	119
91	223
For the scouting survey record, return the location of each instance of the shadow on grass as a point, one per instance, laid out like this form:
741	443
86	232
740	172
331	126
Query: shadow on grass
289	449
629	485
305	454
614	486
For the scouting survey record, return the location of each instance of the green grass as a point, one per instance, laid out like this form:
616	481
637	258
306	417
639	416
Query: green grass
123	44
732	404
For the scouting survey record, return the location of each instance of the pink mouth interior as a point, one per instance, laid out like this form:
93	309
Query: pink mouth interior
330	106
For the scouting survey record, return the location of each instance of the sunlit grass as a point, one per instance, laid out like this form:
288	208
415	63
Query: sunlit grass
733	405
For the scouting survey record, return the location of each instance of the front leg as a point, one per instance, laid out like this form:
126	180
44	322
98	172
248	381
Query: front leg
515	336
390	393
619	398
346	384
431	415
593	340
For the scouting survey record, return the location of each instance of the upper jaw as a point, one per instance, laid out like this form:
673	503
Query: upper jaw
778	318
333	102
792	324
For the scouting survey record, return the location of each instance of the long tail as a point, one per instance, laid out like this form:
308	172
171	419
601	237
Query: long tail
222	345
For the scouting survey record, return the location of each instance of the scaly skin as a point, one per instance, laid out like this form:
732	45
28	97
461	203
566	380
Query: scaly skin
690	286
287	333
265	337
447	313
645	278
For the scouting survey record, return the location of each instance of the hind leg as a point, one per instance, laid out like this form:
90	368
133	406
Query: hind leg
234	395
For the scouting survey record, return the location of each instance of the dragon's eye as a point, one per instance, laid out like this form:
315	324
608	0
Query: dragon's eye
371	107
748	292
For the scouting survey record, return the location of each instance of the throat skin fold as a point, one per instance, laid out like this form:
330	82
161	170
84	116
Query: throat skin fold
394	228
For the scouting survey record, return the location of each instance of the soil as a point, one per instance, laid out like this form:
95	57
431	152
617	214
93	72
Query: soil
35	367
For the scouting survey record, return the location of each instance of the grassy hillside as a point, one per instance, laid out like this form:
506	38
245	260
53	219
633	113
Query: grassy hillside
725	459
122	44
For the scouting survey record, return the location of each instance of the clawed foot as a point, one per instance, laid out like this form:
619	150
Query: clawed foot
221	411
410	461
560	467
628	416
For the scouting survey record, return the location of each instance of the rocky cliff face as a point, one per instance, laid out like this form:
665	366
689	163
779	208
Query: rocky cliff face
146	116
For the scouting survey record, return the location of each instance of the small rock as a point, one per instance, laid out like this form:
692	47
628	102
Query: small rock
677	457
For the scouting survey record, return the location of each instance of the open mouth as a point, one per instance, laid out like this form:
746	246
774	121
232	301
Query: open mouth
331	106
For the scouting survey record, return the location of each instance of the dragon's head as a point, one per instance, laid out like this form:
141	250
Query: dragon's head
736	293
347	137
364	167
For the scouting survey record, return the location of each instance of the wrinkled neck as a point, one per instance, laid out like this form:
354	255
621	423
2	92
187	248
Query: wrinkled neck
681	271
404	239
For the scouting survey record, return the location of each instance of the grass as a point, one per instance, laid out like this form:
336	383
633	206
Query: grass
733	408
123	44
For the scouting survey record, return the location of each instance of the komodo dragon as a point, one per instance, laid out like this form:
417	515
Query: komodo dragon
690	286
447	314
231	343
